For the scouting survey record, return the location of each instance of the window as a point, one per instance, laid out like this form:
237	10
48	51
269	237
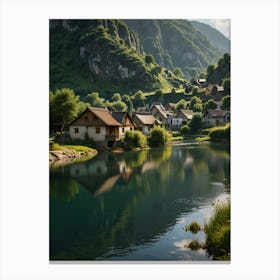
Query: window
123	129
76	130
131	128
97	130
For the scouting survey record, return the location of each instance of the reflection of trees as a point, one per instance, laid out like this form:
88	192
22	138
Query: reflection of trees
65	189
135	159
160	155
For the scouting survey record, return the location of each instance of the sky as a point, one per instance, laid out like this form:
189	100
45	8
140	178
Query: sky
223	25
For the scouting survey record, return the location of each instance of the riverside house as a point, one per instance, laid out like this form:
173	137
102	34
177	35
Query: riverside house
183	115
100	125
144	122
213	117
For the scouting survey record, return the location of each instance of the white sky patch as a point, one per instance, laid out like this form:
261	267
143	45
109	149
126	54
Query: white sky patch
223	25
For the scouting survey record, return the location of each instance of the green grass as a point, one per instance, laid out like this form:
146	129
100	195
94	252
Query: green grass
194	227
202	139
77	148
195	245
218	233
176	138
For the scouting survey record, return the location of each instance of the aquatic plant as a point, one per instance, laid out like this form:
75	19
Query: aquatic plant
195	245
194	227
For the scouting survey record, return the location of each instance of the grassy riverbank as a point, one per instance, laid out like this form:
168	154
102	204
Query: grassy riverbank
218	233
68	153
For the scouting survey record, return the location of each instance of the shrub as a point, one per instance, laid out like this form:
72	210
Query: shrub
218	233
194	227
135	139
185	130
149	59
222	133
158	137
194	245
196	122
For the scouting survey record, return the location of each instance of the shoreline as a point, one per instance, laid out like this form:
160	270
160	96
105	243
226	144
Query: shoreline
66	156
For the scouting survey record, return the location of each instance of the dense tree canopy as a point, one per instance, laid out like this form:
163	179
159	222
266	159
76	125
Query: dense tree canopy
178	72
139	99
226	85
196	104
94	100
149	59
210	104
196	122
119	106
210	69
116	97
65	106
225	103
181	105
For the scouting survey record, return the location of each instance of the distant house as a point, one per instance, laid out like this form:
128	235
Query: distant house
214	117
183	115
213	89
201	82
99	125
144	122
159	113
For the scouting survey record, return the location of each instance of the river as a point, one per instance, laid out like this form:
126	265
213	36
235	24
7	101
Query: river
133	206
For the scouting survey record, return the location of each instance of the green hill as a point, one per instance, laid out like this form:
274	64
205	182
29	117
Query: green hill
109	55
215	37
175	43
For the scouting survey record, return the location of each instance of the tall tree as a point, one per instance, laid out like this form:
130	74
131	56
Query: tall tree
210	104
178	72
225	103
196	122
64	105
94	100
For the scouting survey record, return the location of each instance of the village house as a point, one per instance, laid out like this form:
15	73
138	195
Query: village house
215	117
201	82
183	115
159	113
99	125
144	122
125	120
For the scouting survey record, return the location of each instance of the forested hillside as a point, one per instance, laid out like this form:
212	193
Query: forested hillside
175	43
125	55
215	37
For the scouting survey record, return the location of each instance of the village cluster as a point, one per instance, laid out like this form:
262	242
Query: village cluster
105	126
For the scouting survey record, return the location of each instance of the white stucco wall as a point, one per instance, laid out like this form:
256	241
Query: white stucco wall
96	136
91	133
80	134
126	128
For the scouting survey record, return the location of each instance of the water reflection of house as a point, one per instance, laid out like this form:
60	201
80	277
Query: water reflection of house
98	176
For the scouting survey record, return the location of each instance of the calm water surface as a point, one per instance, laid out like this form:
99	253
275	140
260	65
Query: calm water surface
134	205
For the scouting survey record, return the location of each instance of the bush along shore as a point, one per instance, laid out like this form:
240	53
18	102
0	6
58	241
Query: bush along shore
61	154
217	233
